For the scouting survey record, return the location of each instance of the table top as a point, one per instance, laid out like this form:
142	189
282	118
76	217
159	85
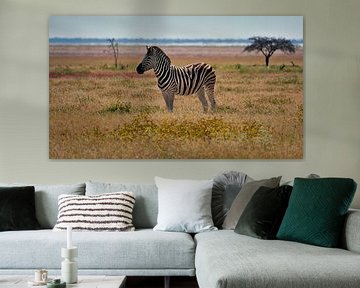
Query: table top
84	281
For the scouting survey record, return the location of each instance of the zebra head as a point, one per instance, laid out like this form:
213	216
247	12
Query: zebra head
153	57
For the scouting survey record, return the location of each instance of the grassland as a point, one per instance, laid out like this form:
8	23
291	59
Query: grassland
97	111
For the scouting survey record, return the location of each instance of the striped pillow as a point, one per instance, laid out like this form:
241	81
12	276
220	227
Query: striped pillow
105	212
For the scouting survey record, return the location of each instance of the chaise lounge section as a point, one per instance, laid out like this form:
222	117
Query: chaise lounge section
226	259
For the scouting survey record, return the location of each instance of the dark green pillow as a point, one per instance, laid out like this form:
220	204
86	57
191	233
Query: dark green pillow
316	211
17	208
264	212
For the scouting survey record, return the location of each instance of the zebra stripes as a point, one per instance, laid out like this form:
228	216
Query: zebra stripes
105	212
198	78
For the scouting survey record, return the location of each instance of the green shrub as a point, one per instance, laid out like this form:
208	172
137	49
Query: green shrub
118	108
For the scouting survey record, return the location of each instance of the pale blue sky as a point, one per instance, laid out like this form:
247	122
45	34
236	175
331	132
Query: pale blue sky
176	26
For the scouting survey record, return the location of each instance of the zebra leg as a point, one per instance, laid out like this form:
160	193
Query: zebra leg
202	98
169	100
210	92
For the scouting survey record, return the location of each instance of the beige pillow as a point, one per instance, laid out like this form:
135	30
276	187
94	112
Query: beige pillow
243	198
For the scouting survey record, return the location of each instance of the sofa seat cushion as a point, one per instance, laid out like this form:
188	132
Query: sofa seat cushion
226	259
143	249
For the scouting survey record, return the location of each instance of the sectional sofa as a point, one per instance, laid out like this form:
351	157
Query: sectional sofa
218	259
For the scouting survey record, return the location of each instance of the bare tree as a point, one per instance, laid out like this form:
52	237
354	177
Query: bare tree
115	49
267	46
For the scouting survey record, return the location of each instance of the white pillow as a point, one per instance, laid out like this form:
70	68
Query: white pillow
104	212
184	205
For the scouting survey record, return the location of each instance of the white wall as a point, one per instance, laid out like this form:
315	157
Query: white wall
332	91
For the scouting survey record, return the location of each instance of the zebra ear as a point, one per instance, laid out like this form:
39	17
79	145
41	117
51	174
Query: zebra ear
147	47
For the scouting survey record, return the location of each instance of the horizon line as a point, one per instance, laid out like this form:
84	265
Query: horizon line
168	38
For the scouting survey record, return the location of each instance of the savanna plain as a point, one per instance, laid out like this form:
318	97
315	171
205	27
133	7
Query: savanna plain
97	111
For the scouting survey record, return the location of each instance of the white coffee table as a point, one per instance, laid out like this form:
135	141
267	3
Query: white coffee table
83	282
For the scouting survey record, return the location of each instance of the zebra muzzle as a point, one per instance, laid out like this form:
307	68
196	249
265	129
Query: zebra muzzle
139	69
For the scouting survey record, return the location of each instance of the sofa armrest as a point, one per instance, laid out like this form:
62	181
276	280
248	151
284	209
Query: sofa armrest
351	232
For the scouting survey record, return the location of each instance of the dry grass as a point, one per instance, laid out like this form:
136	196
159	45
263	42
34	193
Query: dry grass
99	112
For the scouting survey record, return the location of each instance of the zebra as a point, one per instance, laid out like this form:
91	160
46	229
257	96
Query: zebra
197	78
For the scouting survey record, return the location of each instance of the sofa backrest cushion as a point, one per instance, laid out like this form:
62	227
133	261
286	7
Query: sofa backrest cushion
350	238
146	204
46	200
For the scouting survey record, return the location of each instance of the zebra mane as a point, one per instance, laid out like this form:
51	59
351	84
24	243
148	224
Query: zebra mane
157	51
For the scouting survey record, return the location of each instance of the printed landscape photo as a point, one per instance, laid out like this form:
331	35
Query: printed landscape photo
115	85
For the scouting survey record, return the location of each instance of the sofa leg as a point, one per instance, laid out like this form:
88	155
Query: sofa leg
167	282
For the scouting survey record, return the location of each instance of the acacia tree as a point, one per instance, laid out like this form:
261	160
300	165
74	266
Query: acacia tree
115	49
267	46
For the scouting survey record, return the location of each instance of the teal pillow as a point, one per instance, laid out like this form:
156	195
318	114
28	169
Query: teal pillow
316	211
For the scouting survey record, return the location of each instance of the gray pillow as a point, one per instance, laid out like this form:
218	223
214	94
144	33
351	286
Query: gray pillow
146	204
243	198
46	200
226	187
184	205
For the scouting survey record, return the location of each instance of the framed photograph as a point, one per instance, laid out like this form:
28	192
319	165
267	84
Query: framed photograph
176	87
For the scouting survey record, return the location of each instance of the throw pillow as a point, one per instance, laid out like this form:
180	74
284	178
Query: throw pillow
226	187
316	211
243	198
17	208
263	215
184	205
106	212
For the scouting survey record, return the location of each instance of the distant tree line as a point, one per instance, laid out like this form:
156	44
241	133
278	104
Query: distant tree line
266	45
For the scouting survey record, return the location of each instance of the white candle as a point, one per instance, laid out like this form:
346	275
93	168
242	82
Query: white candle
69	237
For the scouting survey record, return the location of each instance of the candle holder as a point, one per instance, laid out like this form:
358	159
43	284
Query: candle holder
69	271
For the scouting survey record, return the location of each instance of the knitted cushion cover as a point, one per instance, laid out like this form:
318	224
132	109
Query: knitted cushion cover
316	211
105	212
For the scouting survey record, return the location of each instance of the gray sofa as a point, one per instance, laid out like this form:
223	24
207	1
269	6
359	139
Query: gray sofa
218	259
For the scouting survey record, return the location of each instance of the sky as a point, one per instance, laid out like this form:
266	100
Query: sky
188	27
